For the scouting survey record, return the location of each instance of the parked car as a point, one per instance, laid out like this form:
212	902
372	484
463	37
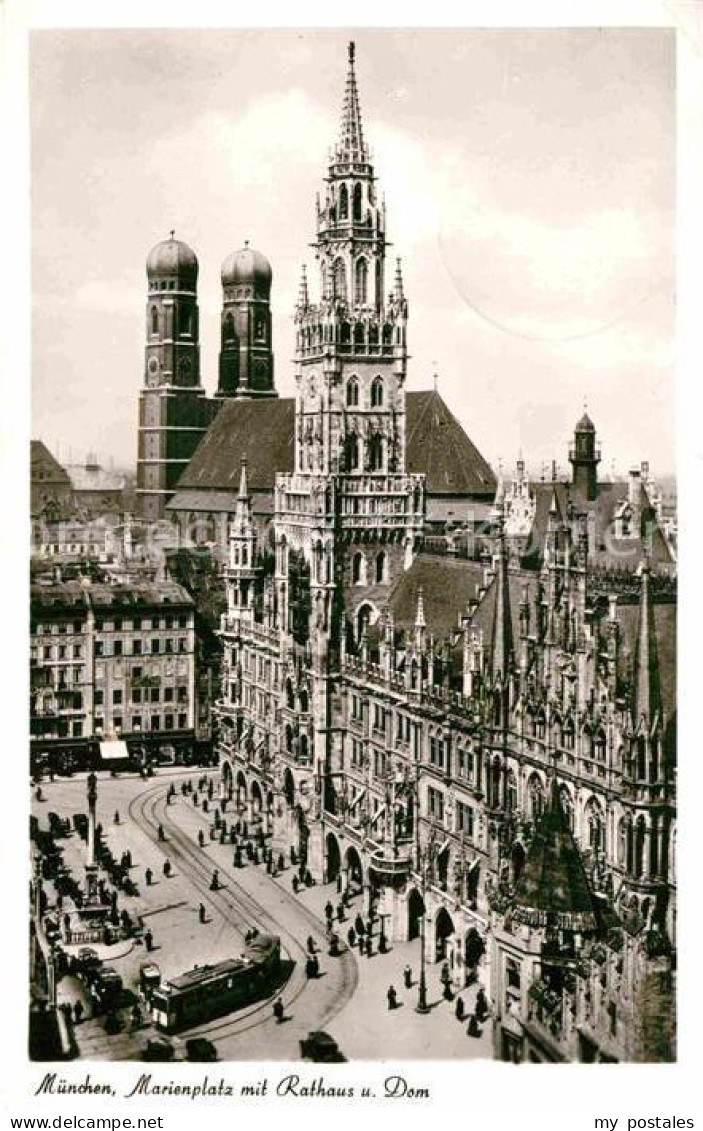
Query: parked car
199	1048
321	1048
87	959
106	986
158	1048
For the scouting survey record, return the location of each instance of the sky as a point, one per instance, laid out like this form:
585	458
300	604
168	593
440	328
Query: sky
529	177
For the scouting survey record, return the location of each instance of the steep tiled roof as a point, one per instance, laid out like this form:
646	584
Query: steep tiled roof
447	585
259	430
438	446
262	431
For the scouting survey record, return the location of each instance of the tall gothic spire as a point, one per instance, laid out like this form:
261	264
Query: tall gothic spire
351	146
646	705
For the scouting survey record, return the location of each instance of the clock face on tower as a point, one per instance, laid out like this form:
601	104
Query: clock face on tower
185	368
152	377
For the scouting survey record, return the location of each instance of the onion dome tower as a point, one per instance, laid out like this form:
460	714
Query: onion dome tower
173	412
246	358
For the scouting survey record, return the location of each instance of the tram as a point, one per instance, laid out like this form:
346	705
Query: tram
212	991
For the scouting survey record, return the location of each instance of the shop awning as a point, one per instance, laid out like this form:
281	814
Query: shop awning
110	751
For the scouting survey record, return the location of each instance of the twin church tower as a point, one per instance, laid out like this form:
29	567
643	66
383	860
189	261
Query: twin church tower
174	411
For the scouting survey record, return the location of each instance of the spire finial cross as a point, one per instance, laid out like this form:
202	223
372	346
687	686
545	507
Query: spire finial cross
172	232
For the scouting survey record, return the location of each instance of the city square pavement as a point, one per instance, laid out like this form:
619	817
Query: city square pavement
360	1022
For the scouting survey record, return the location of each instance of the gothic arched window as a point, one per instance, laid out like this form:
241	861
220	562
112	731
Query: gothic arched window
339	280
352	392
511	791
185	320
380	568
376	392
361	281
376	453
352	452
357	202
343	203
536	795
358	569
154	320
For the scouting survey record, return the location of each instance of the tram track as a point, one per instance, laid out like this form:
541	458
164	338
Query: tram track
241	910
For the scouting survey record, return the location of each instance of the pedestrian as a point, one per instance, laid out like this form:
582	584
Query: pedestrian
293	856
445	976
329	910
339	883
201	838
407	977
474	1029
39	795
167	869
360	944
184	788
128	859
215	881
281	862
447	992
201	912
78	1012
278	1010
351	937
295	884
315	966
195	800
459	1011
359	925
369	946
148	940
340	912
233	835
311	944
148	876
161	834
117	816
205	805
392	997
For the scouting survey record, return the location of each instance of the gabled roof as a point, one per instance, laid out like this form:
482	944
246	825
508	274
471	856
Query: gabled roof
553	889
44	463
438	446
262	432
447	585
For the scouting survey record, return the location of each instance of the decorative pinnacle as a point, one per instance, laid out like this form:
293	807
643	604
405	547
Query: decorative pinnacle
398	289
243	486
303	296
420	621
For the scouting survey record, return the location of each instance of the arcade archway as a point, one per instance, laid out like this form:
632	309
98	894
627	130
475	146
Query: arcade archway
474	949
289	788
334	857
444	929
416	911
257	801
354	867
227	781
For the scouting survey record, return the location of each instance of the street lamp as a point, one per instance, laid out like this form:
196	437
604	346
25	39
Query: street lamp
422	1006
